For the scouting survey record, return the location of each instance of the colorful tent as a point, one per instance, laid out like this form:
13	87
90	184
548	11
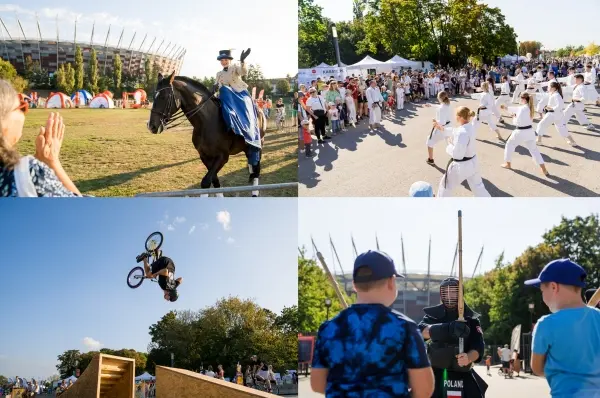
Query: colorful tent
139	95
58	101
81	97
102	101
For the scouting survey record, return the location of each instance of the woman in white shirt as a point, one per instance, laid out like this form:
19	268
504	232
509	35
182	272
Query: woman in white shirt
553	114
485	112
524	134
443	117
315	106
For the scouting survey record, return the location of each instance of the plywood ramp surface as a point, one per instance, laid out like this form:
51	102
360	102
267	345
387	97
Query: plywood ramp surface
106	376
181	383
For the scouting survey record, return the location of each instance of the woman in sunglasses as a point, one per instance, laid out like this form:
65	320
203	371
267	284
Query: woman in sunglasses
29	176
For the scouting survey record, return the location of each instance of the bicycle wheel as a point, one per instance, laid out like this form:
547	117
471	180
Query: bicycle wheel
154	241
135	277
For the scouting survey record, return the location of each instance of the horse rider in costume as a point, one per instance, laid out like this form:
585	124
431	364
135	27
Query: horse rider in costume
238	108
453	372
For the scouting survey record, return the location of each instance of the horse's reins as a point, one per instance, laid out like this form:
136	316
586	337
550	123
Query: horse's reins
167	120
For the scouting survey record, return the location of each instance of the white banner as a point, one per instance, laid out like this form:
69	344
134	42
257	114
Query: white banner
305	76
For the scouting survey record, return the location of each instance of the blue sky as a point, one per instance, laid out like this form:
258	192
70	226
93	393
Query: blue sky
498	224
545	22
203	27
65	265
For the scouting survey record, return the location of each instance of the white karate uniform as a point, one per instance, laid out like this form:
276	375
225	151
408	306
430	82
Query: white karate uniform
487	115
504	98
399	98
555	101
520	86
373	96
544	101
443	116
462	146
351	109
577	107
496	108
524	137
591	95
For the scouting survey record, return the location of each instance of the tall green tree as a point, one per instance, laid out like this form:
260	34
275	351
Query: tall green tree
117	71
68	362
313	289
79	72
283	86
69	79
92	77
61	79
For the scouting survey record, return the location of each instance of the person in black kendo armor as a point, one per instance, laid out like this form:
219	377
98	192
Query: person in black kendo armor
441	330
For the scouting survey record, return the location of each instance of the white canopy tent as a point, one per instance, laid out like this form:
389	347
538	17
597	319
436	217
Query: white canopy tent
370	63
323	65
145	377
399	62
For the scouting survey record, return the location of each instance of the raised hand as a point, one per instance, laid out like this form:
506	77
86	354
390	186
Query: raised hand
49	140
244	55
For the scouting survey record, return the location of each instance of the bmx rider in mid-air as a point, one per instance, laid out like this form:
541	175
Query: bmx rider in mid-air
163	268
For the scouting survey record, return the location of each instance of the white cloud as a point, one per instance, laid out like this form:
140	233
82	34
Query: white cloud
91	344
230	240
179	220
192	229
224	218
171	227
204	226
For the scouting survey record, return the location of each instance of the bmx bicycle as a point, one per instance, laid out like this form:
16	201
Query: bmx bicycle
137	275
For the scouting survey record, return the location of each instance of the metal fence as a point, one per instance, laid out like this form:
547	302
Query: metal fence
223	190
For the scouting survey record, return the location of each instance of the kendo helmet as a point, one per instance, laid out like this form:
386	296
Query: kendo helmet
449	292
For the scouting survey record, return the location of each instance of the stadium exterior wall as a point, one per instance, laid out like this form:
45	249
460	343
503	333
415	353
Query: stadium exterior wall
44	51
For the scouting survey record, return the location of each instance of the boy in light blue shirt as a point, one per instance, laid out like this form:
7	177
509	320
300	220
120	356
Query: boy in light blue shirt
566	343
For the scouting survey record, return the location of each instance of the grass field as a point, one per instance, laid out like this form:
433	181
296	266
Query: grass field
109	152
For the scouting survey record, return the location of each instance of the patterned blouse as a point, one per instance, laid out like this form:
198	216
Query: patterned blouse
45	181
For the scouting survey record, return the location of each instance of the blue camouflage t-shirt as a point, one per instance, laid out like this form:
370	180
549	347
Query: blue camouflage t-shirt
368	349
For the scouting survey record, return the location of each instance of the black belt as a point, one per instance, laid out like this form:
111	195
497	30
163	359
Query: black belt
504	94
448	166
586	84
548	110
481	108
433	129
524	127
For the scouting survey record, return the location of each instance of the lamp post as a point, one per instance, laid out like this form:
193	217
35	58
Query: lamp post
531	309
336	45
327	305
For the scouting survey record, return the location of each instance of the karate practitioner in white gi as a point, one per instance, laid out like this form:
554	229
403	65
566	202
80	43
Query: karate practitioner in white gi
375	101
485	113
524	134
576	106
443	117
544	101
520	81
504	98
463	163
554	114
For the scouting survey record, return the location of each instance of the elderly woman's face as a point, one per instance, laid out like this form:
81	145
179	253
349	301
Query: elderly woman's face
12	125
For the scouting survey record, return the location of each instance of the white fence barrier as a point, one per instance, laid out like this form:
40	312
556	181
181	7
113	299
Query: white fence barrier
209	191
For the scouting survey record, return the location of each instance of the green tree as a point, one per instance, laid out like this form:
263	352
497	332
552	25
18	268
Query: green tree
9	73
313	289
104	83
69	79
68	362
283	86
117	71
312	34
150	76
29	68
61	79
79	73
92	77
207	82
3	380
532	47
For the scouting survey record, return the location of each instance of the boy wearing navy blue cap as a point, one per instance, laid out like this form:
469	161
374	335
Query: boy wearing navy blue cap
369	349
566	343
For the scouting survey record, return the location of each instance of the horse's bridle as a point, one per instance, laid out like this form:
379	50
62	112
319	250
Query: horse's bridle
166	119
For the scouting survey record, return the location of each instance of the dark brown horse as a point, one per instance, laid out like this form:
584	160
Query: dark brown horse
179	96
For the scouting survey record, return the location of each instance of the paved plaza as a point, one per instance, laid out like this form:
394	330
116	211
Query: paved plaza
387	161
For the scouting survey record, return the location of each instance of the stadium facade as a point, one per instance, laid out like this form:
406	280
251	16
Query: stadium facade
51	52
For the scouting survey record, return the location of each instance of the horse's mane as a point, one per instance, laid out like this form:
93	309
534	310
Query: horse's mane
195	84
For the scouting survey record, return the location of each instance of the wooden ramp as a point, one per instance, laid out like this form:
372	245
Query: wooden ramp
106	376
181	383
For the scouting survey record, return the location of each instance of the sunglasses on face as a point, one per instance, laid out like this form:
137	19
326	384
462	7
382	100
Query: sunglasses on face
23	105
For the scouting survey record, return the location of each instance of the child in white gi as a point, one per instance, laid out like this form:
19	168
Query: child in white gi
351	108
463	164
504	97
399	96
443	117
485	112
520	82
523	134
553	114
576	106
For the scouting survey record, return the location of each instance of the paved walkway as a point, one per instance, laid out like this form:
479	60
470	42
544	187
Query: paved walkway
526	386
386	162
